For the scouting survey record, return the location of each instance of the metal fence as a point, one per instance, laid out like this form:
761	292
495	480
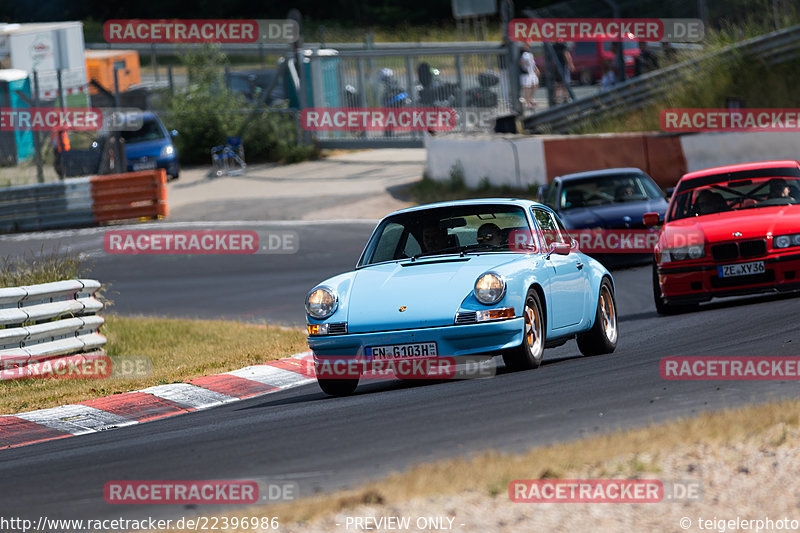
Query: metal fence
48	321
474	81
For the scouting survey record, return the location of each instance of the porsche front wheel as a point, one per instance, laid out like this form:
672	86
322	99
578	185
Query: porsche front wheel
530	353
602	338
337	387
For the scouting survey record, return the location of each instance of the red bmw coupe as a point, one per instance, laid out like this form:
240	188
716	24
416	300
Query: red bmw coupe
728	231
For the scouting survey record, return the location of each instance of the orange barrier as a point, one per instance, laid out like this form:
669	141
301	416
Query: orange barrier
585	152
129	195
660	156
666	162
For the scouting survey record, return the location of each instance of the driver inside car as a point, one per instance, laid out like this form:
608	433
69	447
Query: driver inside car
434	238
489	234
708	202
778	188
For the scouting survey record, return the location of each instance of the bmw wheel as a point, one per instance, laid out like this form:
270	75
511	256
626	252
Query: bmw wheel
662	307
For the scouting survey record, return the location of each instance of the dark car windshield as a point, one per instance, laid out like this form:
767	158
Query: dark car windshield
445	230
735	195
608	189
150	131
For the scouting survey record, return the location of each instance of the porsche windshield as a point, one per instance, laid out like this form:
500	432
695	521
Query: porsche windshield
744	191
608	190
445	230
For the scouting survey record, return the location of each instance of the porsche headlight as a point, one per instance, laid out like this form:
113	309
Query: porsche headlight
490	288
321	303
684	253
786	241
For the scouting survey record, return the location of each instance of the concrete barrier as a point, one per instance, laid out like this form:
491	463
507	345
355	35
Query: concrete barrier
704	150
84	201
522	161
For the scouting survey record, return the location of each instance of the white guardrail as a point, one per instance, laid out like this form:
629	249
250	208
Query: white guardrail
49	320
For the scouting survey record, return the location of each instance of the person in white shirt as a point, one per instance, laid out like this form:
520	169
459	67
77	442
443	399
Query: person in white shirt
529	76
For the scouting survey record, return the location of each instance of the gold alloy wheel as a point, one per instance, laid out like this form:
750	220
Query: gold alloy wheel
533	329
608	314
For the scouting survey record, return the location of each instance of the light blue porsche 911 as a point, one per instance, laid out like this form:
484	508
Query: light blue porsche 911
488	276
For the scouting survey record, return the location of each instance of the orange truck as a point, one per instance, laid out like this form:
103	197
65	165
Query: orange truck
100	65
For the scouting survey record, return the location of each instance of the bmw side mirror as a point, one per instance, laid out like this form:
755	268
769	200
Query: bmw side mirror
651	219
670	190
173	133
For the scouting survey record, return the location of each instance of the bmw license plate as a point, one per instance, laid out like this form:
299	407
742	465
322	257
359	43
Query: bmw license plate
741	269
399	351
145	165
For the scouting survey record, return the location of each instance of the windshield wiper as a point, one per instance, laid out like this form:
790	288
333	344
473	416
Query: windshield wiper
483	246
437	252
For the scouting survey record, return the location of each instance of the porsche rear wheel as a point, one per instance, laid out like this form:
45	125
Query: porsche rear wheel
529	354
602	338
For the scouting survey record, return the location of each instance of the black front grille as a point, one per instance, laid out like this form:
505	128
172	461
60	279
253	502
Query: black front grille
339	328
754	248
719	283
732	250
725	252
467	317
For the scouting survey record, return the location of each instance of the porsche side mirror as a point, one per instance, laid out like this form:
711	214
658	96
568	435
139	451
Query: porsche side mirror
560	248
651	219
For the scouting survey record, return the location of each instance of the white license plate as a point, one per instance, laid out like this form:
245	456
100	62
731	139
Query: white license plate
400	351
741	269
144	165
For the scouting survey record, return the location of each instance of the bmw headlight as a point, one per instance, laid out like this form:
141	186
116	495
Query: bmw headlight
321	303
490	288
684	253
167	151
786	241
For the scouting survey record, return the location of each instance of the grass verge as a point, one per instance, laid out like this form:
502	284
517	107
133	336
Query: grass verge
180	349
44	267
632	453
428	190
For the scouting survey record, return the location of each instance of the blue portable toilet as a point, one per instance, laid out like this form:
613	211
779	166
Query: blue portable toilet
15	146
323	81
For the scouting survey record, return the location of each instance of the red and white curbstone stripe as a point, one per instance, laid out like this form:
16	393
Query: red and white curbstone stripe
154	402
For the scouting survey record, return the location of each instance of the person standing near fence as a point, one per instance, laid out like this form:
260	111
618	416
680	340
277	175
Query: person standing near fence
529	76
563	69
59	140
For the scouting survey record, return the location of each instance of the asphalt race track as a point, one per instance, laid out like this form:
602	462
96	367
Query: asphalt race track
324	443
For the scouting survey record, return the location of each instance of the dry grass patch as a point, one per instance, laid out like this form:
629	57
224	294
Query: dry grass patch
180	349
631	454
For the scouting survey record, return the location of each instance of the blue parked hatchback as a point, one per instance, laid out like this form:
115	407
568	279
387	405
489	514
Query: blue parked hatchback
151	147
